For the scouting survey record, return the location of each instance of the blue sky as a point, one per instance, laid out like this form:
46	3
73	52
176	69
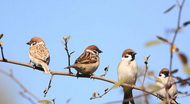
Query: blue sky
111	25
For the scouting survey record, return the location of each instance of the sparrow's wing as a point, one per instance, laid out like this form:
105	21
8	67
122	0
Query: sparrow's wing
40	52
87	57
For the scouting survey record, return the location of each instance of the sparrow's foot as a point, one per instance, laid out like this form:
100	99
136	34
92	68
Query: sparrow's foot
29	62
91	76
78	74
35	67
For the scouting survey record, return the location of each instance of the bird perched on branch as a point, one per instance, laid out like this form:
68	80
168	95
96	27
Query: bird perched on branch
166	80
128	69
88	62
39	53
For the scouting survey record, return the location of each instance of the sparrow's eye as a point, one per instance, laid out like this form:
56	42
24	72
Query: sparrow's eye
126	56
95	51
33	43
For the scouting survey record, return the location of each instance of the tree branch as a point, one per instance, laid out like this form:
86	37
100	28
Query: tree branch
146	69
49	86
86	76
172	44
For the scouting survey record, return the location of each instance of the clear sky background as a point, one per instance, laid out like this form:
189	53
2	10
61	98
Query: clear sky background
111	25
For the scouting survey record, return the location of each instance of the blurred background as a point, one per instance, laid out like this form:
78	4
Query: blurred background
111	25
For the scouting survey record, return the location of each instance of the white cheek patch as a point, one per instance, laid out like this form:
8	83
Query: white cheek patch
127	58
162	75
91	51
40	43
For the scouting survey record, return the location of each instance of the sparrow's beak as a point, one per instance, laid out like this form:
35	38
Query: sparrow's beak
134	53
100	51
28	43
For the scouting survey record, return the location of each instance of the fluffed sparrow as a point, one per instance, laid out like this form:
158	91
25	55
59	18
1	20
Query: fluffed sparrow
165	78
128	69
39	54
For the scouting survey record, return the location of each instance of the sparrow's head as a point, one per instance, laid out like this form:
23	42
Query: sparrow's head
94	49
35	40
164	73
129	55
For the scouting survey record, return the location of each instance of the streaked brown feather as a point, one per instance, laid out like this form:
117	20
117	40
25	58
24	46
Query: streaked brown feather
87	57
40	52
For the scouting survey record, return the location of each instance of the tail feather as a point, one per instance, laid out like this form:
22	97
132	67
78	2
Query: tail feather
127	95
72	66
67	67
45	67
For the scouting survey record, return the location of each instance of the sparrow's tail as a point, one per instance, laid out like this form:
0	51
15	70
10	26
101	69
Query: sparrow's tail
72	66
67	67
128	94
45	67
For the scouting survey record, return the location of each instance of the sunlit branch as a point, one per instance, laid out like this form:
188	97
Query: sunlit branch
85	76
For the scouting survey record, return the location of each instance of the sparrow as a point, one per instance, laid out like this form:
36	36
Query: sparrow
88	62
128	69
165	78
39	53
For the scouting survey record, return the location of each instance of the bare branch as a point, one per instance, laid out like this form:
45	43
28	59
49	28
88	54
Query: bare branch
176	32
172	44
99	96
146	65
49	86
67	50
86	76
2	53
106	70
26	97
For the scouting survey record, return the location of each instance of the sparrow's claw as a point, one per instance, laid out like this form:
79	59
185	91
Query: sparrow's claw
35	67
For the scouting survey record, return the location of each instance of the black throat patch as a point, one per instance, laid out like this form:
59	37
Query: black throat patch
132	55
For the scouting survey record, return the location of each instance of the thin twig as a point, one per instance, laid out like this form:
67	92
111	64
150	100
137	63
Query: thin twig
2	53
68	100
68	54
99	96
146	69
19	83
26	97
176	32
172	44
106	70
49	86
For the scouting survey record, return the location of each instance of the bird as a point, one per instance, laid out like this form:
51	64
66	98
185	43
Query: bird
88	62
165	77
128	69
39	53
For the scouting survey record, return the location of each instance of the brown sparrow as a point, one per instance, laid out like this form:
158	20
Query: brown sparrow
164	76
39	54
88	62
128	68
